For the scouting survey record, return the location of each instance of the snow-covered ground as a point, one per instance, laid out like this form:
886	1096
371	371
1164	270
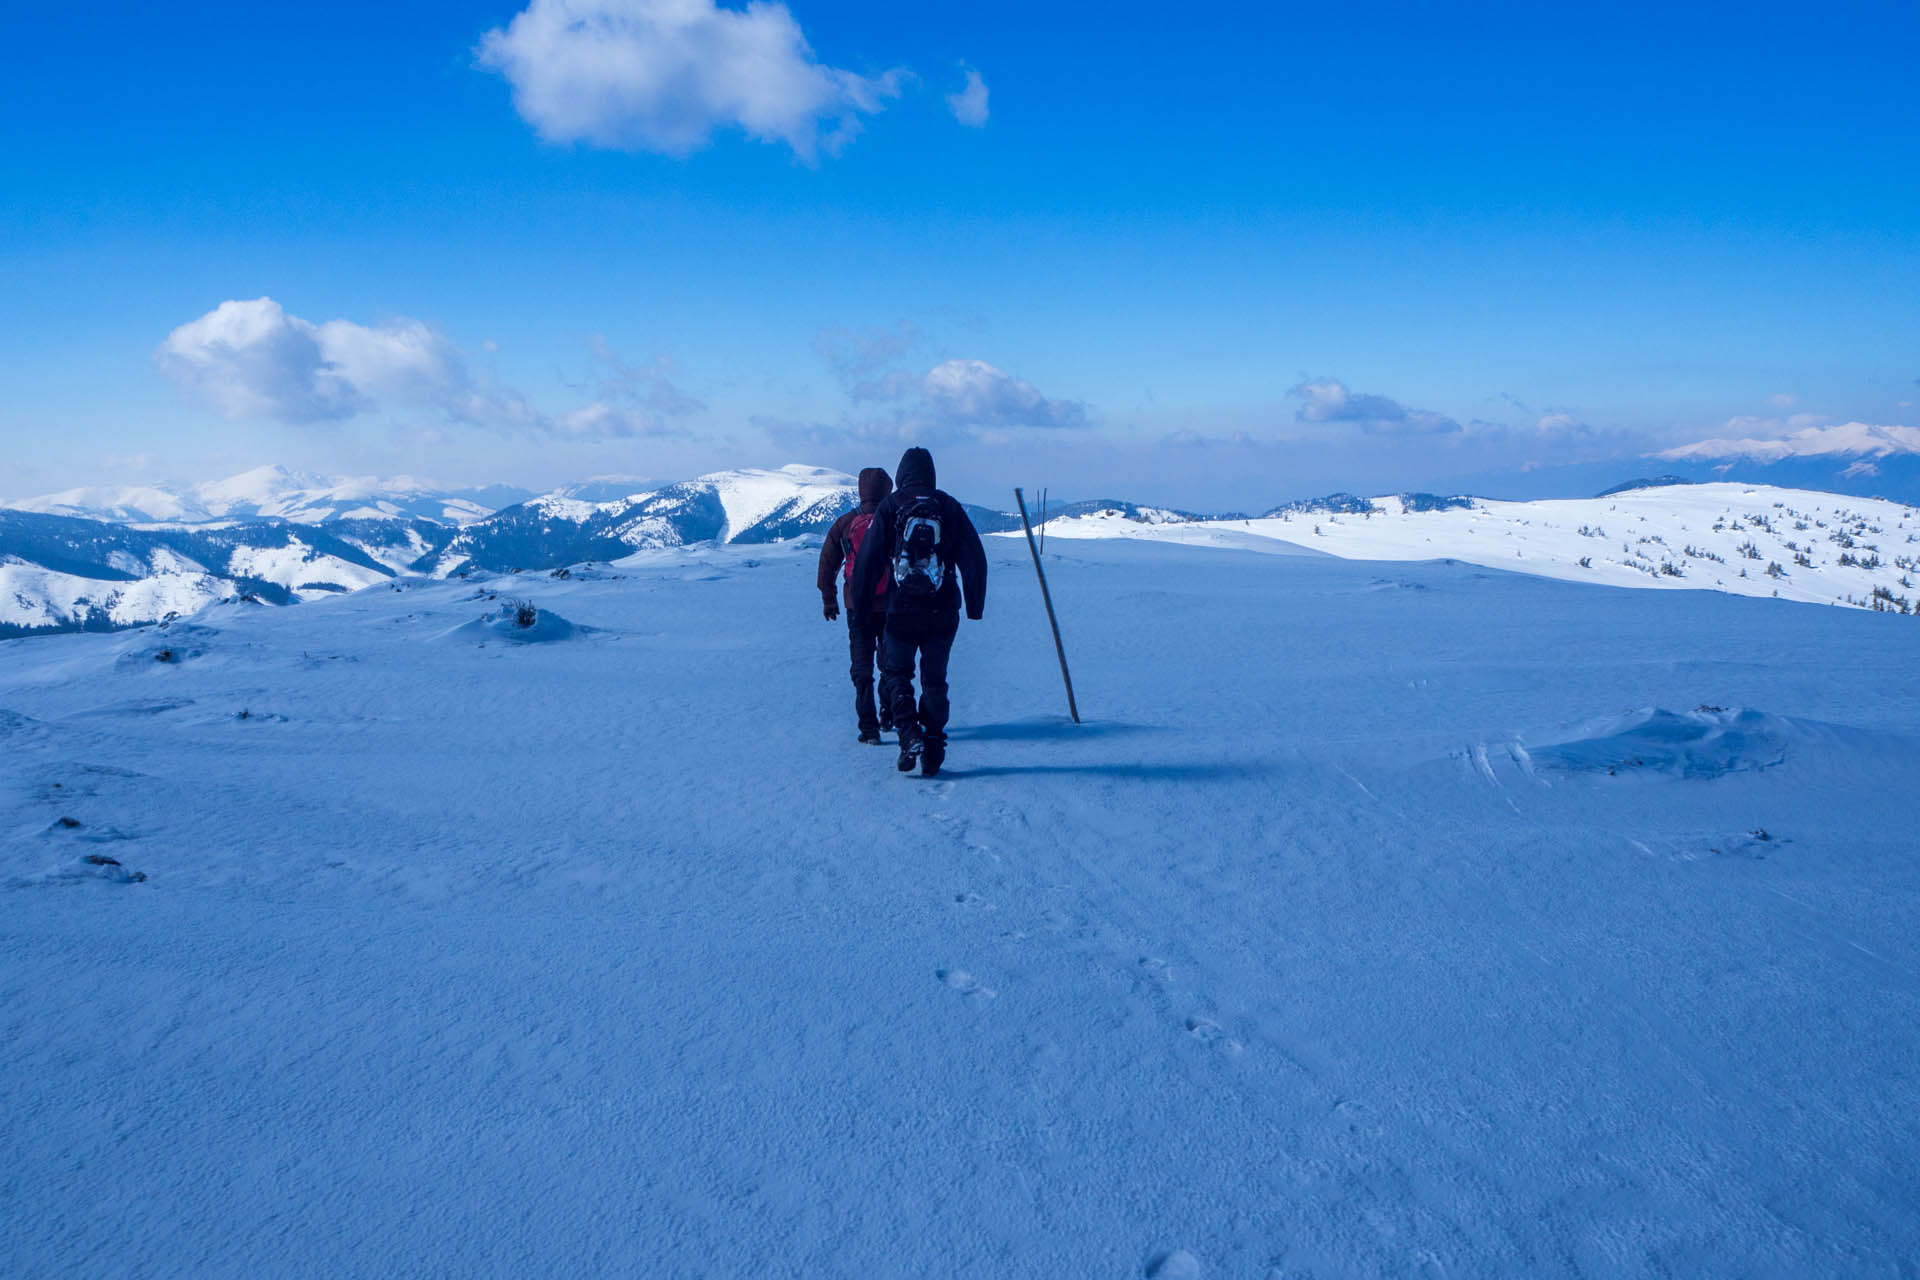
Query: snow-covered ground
1751	540
1381	919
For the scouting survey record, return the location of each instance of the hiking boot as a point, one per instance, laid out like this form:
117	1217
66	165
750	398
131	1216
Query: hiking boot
932	756
909	752
870	736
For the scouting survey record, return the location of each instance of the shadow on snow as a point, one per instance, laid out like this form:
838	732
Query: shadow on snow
1044	728
1223	772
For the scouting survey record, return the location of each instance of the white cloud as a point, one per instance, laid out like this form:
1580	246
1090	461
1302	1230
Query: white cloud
969	106
969	395
252	359
972	393
955	398
663	75
1329	400
1562	424
401	361
603	421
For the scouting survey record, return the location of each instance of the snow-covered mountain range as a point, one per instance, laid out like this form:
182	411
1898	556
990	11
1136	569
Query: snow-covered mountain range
279	494
281	538
1861	459
99	559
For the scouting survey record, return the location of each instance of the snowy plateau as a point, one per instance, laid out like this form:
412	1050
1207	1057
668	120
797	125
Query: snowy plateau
1437	906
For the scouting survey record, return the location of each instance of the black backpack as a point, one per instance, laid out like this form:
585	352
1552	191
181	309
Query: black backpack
918	570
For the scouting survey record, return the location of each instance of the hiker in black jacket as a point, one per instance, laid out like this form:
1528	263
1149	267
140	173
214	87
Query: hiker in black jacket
919	538
864	621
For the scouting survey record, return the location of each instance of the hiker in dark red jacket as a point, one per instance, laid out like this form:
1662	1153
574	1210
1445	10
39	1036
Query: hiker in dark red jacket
865	619
919	541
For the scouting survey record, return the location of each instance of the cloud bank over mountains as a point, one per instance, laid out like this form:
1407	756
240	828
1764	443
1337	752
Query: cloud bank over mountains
253	360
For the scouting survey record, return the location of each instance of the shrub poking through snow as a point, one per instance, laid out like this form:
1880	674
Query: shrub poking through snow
520	621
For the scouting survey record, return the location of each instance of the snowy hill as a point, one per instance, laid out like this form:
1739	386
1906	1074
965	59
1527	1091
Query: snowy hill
63	574
1745	539
275	493
1421	920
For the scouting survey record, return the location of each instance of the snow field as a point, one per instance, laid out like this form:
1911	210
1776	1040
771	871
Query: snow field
1381	919
1753	540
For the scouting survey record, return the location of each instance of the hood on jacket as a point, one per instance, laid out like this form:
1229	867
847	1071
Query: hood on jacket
915	471
875	484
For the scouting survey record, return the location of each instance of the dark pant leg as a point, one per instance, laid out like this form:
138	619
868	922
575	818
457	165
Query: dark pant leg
863	638
897	646
936	646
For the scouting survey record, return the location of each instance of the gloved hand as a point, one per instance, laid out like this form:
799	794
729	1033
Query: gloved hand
830	607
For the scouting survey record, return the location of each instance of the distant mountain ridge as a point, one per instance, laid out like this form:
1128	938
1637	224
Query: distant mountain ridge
280	538
274	492
1849	440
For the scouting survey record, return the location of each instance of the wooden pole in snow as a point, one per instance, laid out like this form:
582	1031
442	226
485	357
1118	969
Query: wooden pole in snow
1072	708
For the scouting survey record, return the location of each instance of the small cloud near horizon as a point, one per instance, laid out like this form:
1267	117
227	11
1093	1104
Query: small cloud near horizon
1330	400
953	400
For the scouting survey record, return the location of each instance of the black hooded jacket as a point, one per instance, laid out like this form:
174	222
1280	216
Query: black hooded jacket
874	486
959	545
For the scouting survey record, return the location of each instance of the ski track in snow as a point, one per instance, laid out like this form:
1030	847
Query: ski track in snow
1329	945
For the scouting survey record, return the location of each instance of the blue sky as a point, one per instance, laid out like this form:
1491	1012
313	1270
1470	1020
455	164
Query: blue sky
1211	257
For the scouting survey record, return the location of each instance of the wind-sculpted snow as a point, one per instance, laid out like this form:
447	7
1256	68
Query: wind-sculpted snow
1381	919
1707	742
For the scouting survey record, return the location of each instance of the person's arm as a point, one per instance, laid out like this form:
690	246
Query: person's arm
833	554
875	550
970	557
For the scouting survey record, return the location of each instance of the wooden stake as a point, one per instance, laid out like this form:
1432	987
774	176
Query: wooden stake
1072	708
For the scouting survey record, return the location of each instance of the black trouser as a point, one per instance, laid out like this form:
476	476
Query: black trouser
863	639
930	635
